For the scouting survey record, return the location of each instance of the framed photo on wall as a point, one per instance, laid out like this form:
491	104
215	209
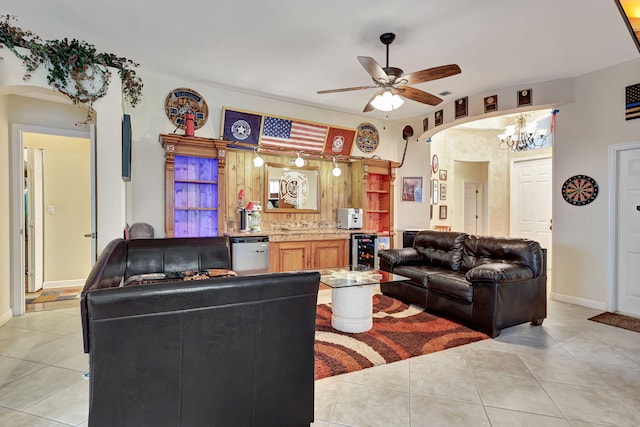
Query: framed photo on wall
443	175
412	189
443	212
524	97
443	191
435	191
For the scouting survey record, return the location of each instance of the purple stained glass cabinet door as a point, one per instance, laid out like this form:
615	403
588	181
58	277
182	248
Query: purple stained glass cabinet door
196	196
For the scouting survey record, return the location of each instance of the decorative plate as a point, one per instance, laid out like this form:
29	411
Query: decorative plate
580	190
435	163
181	101
367	138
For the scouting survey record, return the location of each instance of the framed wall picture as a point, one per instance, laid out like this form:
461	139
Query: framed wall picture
435	163
425	124
443	191
438	117
443	212
412	189
632	100
461	107
490	103
435	191
524	97
443	175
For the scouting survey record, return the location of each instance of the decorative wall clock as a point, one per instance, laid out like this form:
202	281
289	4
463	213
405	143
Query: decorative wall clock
580	190
367	138
181	101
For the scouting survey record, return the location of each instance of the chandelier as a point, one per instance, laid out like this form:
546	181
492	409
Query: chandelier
522	136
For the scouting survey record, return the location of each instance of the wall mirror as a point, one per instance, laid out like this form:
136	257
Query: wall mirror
292	189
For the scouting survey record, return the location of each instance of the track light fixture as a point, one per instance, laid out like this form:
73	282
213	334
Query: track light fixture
299	162
257	160
336	170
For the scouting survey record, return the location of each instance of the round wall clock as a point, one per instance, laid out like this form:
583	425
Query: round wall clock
181	101
367	138
580	190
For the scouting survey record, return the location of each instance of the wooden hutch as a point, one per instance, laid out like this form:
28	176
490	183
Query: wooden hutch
194	186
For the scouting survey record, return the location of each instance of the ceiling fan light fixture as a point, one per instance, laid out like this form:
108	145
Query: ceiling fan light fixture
387	101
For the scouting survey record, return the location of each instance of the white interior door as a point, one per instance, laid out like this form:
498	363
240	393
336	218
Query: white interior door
530	201
628	203
35	207
472	208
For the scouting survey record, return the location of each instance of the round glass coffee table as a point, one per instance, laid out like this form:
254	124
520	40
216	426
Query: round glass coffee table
351	296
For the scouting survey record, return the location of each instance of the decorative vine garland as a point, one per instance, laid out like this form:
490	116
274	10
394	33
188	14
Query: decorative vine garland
74	67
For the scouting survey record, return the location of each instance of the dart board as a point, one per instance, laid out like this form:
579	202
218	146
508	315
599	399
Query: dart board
580	190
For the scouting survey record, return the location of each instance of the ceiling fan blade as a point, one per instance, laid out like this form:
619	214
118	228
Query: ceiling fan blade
346	89
374	69
417	95
369	106
429	74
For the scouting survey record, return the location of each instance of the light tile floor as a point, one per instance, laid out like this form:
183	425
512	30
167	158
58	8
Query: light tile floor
568	372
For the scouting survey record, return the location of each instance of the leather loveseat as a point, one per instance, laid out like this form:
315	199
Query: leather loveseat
227	351
489	283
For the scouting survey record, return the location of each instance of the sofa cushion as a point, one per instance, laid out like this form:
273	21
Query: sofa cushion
440	248
479	250
177	255
419	274
451	283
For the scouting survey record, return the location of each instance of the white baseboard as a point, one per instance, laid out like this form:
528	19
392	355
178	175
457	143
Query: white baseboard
579	301
4	317
63	284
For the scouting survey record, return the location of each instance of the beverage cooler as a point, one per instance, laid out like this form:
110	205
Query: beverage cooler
364	250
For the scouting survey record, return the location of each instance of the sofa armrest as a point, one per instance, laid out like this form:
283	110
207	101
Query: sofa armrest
499	272
390	258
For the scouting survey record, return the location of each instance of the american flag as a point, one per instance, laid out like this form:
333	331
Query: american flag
282	133
632	104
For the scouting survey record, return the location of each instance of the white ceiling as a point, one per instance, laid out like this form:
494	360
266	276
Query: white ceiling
289	49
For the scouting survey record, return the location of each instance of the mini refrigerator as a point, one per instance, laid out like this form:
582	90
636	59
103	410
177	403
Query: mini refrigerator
364	251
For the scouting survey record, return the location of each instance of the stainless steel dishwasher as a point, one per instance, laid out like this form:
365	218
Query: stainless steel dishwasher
250	254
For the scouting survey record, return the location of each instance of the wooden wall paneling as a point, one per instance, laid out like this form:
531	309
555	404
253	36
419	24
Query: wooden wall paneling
335	192
232	188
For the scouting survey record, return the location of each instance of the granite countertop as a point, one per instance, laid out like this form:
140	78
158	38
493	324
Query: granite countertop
285	235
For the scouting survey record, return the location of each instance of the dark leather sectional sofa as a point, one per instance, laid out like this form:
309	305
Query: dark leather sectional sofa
489	283
224	351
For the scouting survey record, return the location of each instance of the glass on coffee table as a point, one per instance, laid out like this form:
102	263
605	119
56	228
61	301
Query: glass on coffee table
351	295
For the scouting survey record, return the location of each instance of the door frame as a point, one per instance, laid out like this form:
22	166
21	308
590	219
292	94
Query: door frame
35	213
612	203
17	258
480	210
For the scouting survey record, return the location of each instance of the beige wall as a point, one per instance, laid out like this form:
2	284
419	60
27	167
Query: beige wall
145	194
591	118
458	149
454	145
5	223
585	130
67	253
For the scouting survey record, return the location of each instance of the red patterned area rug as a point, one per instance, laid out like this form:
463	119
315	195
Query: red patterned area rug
400	331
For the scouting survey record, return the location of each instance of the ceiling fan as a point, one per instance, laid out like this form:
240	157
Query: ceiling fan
392	81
